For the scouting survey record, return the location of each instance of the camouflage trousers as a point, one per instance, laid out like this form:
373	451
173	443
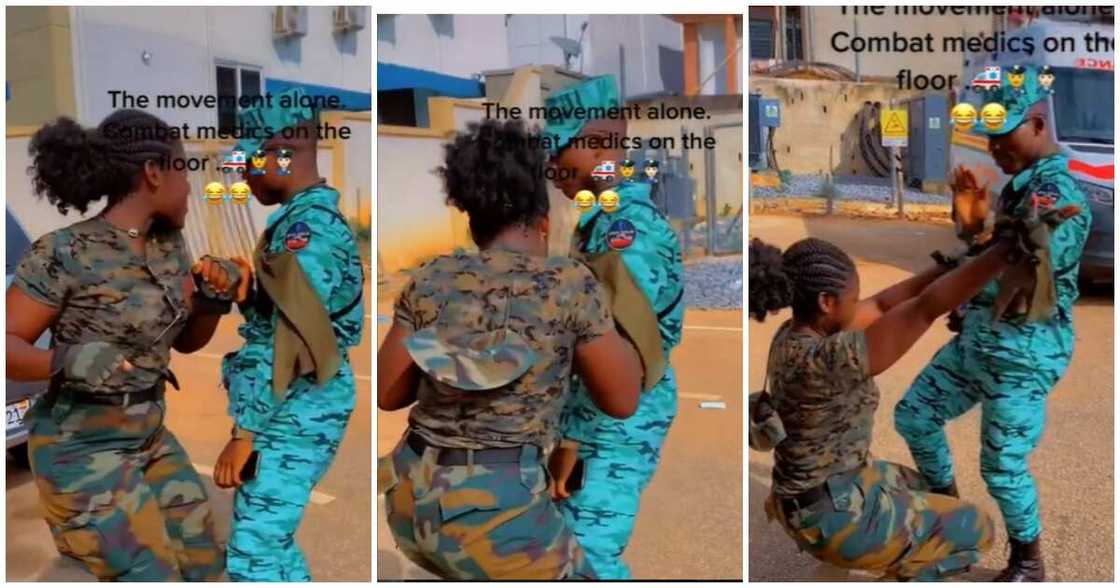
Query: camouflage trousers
620	458
478	522
882	519
296	450
1012	398
120	494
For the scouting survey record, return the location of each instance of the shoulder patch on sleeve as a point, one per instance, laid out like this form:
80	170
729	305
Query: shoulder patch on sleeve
298	236
621	234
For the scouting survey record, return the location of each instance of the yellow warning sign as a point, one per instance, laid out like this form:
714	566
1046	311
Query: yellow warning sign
892	121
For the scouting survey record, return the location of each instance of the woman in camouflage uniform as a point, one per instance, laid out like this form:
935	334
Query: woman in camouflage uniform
484	344
117	489
827	494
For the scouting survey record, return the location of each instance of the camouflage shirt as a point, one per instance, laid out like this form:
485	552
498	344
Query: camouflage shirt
105	292
823	391
553	304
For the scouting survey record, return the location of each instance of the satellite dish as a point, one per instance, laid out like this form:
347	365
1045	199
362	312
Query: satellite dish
570	47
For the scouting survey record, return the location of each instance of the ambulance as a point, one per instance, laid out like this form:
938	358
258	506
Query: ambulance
1081	106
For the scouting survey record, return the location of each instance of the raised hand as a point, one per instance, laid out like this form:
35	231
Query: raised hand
222	279
971	203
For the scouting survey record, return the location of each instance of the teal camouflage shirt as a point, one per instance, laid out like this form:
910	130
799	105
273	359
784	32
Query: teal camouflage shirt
309	225
105	292
649	249
552	304
1047	184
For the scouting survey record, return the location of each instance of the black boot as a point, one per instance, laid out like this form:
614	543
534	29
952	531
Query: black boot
1025	563
950	490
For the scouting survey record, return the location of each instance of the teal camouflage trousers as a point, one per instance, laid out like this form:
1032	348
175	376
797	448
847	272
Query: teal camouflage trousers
478	522
1012	395
882	519
120	494
296	449
620	457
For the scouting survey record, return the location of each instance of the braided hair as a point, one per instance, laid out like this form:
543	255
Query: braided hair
795	278
74	166
493	173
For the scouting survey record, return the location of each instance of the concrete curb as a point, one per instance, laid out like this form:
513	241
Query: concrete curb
938	213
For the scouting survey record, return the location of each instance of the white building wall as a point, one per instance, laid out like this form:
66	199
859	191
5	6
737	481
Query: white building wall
464	45
186	43
531	40
632	48
456	45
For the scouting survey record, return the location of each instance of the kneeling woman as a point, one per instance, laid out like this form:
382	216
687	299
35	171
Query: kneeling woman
829	497
485	344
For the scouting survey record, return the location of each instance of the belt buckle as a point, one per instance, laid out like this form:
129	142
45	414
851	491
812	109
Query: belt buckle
124	399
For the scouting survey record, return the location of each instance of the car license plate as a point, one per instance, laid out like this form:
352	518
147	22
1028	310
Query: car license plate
16	410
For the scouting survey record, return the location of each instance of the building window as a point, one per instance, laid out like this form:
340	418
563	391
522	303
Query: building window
235	81
794	45
396	107
762	38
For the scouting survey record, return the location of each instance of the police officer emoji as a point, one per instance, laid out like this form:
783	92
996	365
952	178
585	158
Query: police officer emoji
258	160
650	169
1046	79
284	159
626	168
1015	78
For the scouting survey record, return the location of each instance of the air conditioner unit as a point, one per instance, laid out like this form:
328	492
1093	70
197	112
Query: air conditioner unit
289	21
349	18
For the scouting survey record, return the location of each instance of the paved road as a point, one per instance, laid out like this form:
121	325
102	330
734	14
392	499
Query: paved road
335	534
1073	465
690	525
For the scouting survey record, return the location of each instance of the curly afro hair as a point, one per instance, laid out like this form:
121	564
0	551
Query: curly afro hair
795	278
74	167
493	173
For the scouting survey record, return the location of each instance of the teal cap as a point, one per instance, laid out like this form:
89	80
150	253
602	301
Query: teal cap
600	92
285	110
1016	98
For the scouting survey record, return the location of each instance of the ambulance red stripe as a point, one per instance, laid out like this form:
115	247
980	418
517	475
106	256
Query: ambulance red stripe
1100	172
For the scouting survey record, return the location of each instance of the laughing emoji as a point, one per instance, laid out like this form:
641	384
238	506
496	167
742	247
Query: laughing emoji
585	199
964	117
215	192
240	192
609	200
994	115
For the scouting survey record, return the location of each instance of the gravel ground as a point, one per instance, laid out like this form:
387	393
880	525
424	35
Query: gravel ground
729	235
847	188
714	283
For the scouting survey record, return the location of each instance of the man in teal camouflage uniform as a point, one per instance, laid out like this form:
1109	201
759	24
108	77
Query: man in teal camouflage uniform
296	427
1007	365
620	456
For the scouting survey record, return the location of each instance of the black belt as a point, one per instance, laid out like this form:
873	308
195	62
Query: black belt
461	457
124	399
804	500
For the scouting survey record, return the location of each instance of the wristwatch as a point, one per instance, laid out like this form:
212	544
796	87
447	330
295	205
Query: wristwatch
211	305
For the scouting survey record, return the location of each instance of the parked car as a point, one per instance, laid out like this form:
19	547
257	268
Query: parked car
21	395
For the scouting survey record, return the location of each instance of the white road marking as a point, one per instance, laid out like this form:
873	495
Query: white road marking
316	497
707	328
705	397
